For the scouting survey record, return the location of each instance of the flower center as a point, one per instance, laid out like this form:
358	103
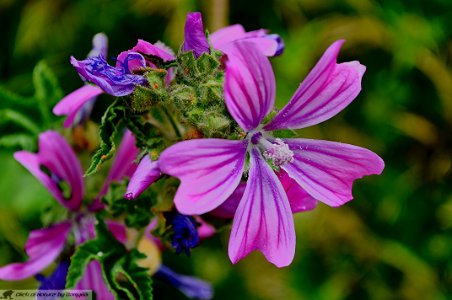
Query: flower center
278	151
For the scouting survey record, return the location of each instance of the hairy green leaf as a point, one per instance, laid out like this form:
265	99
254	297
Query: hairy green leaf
47	89
123	277
108	131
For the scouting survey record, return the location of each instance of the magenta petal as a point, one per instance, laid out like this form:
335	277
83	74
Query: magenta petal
227	34
227	209
205	230
326	170
124	162
222	39
57	157
148	172
146	48
123	166
209	170
72	103
92	280
195	39
249	86
299	199
267	46
263	220
43	247
328	89
118	230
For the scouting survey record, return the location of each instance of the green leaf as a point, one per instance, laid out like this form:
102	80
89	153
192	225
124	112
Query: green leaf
17	141
47	89
10	99
147	136
123	277
108	131
84	254
8	115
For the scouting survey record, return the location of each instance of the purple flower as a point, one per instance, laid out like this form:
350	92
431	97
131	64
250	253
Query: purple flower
116	81
147	172
192	287
195	38
224	38
56	166
185	234
269	44
73	104
56	281
210	170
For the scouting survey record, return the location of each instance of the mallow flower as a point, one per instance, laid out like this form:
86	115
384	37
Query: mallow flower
210	170
196	40
116	80
57	168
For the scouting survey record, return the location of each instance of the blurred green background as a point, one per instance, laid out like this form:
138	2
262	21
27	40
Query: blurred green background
394	241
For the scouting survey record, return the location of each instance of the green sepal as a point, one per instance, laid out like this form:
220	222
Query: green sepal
213	123
183	96
211	91
195	70
143	98
208	64
123	277
108	131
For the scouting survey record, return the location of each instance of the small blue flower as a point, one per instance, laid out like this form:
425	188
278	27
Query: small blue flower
56	281
185	233
192	287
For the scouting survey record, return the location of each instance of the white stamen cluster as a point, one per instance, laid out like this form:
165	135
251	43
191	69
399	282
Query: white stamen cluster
279	153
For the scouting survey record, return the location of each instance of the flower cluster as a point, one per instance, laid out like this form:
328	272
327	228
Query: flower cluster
206	116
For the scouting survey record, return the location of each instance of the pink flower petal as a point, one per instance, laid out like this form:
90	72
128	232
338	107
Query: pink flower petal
118	230
205	230
227	34
43	247
263	220
326	170
222	38
195	38
124	162
145	48
57	156
148	172
71	104
92	280
209	170
249	86
328	89
299	199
